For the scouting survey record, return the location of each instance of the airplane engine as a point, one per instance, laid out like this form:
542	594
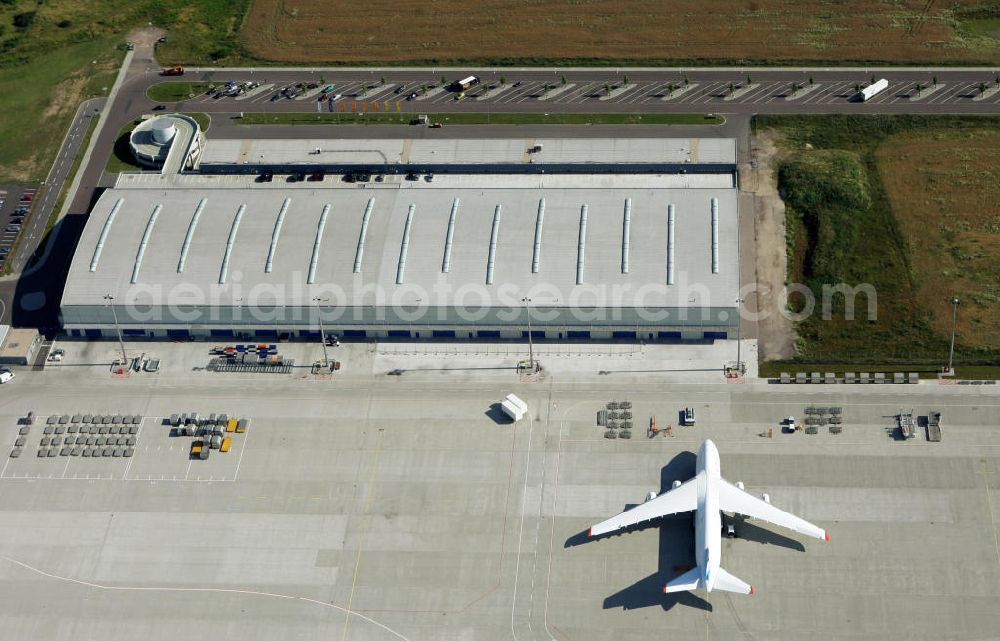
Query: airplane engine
739	484
650	495
675	485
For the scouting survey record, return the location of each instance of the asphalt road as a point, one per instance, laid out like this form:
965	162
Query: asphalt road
586	91
33	232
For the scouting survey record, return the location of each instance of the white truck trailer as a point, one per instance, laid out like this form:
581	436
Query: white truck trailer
873	89
514	407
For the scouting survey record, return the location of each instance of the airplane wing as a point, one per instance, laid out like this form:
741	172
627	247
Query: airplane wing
682	499
733	499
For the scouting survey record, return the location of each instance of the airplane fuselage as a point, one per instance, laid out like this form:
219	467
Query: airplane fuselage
708	518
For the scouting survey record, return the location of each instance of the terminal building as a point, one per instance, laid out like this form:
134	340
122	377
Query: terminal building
576	239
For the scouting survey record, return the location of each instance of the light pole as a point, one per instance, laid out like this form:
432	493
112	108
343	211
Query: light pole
322	332
118	329
739	335
531	345
954	320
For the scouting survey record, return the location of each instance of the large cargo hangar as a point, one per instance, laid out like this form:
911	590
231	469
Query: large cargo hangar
628	254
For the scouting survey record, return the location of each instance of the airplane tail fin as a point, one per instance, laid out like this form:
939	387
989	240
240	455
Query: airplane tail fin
729	583
685	582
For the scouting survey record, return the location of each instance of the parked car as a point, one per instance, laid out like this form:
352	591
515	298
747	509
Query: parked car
28	197
317	176
6	376
296	177
159	107
265	177
4	250
13	228
57	354
436	125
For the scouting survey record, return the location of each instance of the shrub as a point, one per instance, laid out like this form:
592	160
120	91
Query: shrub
828	189
24	20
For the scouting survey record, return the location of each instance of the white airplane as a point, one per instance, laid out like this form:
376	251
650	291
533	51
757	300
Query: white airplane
707	494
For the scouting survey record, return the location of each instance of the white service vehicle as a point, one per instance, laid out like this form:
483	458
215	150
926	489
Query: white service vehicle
6	376
708	495
514	407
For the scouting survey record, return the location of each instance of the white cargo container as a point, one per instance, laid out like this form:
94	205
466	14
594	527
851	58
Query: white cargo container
874	89
514	407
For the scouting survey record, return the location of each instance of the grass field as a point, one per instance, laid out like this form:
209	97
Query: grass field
909	204
177	91
336	118
598	32
67	50
39	99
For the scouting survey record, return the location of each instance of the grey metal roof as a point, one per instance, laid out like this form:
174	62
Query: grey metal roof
236	236
465	151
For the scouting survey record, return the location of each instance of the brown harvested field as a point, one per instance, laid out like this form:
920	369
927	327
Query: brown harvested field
546	31
944	187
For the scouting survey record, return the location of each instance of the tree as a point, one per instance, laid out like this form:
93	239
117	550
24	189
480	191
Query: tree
982	87
381	80
503	80
423	89
607	88
686	81
919	88
671	87
795	87
562	79
625	79
749	81
810	80
934	80
732	88
872	80
857	88
444	80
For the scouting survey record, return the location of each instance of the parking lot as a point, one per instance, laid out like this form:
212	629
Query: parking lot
16	203
653	95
